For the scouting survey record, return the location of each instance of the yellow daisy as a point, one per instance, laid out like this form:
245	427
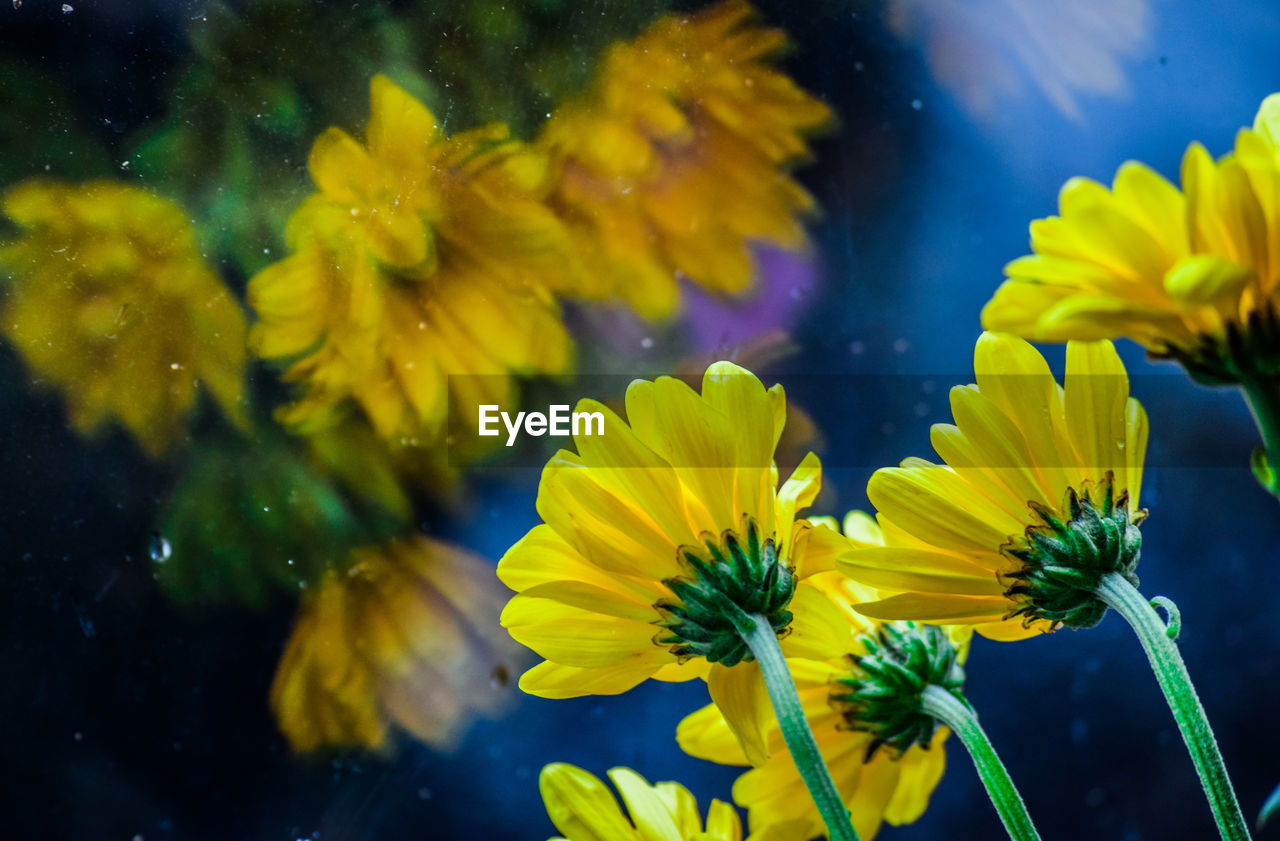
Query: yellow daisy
674	160
1037	499
109	301
1191	273
406	636
650	528
877	783
582	807
420	257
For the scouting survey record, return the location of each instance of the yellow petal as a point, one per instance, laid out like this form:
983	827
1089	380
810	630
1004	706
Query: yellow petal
573	636
401	129
740	694
1206	280
337	163
819	629
723	823
920	770
1096	392
920	570
937	607
648	811
706	735
923	500
581	806
553	680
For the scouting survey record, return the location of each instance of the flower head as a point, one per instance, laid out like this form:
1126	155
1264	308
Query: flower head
109	301
672	162
420	257
1192	273
582	807
885	754
655	532
1036	501
406	636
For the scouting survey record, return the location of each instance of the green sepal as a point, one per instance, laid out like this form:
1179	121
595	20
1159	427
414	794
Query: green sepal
728	579
1064	560
1242	351
881	694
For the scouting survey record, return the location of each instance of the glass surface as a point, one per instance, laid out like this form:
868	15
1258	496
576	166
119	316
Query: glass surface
172	499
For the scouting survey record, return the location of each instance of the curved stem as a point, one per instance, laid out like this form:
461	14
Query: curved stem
954	713
1171	674
1263	397
763	642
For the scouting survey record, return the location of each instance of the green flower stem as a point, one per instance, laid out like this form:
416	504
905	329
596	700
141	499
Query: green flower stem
1263	396
963	721
762	639
1171	674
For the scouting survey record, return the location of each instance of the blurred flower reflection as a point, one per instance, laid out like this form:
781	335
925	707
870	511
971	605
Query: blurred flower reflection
984	51
421	257
408	637
675	159
110	301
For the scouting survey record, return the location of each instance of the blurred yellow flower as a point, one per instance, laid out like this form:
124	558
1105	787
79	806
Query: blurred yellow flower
650	523
674	160
406	636
420	257
110	302
582	807
1024	454
1191	273
876	783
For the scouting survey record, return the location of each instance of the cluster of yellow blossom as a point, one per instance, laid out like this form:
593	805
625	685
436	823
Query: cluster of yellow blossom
424	256
644	525
1187	272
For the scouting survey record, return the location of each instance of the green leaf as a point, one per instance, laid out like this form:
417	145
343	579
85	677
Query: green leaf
1264	472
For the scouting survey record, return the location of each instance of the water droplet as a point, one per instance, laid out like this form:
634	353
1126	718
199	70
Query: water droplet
646	342
916	105
160	551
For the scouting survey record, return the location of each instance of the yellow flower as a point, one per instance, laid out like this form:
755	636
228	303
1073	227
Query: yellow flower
1179	271
673	161
582	807
644	522
421	257
109	301
407	635
964	540
876	783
